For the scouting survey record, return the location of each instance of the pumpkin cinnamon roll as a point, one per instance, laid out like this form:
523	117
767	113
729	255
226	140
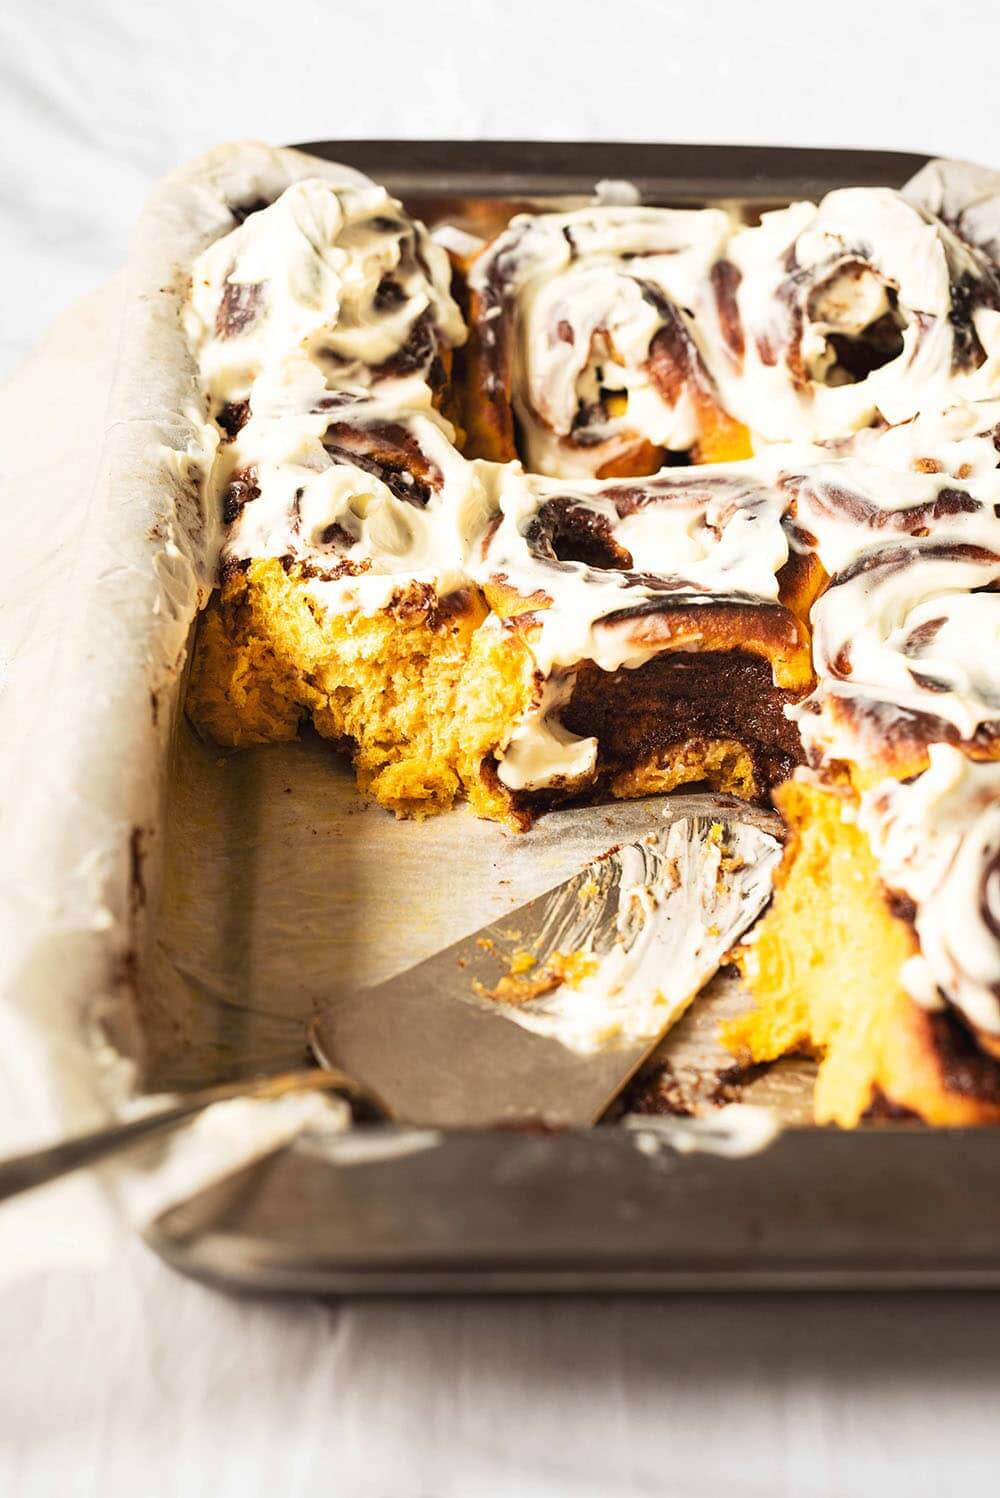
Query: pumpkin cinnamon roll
665	624
344	596
906	630
338	277
587	353
861	309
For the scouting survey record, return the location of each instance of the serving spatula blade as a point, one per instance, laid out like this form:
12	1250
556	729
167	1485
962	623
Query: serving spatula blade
544	1015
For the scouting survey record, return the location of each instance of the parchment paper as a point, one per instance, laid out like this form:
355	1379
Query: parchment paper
99	592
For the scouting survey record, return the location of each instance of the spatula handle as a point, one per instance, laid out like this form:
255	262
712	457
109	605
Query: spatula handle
36	1167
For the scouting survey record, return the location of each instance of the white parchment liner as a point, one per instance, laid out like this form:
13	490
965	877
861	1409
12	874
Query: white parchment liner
99	597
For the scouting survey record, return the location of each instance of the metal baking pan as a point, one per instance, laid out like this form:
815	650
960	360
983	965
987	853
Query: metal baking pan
386	1210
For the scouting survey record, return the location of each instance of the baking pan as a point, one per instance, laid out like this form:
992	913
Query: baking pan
299	873
677	174
606	1210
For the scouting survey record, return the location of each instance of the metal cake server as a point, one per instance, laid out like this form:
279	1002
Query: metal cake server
546	1014
542	1016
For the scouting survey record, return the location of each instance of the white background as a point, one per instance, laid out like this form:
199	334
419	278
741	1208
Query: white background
131	1381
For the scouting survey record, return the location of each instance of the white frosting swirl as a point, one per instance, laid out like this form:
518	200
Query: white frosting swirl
861	307
694	536
360	497
899	626
584	296
961	441
963	195
338	275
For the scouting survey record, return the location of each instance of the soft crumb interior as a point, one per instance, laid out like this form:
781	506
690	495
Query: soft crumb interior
824	964
405	688
494	691
723	764
824	969
423	693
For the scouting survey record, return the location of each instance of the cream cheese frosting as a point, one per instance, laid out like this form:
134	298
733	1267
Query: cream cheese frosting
963	195
702	534
589	293
337	275
861	307
906	620
361	496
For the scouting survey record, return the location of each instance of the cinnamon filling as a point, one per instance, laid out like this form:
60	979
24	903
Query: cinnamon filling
713	695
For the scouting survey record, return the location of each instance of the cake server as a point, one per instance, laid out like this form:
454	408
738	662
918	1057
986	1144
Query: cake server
544	1015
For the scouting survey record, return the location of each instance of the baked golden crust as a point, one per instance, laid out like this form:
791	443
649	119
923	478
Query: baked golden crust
487	412
768	631
897	745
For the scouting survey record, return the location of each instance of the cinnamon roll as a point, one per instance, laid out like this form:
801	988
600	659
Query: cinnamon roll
863	308
666	622
587	351
338	276
906	631
344	593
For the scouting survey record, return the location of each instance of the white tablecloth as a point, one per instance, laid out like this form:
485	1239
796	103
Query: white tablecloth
131	1381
